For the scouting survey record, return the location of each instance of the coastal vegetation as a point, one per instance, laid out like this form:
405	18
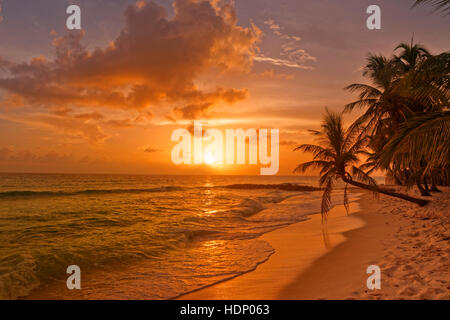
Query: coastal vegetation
403	131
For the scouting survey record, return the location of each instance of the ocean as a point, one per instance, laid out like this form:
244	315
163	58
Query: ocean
140	236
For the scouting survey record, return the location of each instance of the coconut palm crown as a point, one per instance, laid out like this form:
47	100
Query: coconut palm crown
337	157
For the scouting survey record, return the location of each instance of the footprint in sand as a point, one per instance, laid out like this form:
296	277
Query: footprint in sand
408	292
425	296
418	282
391	268
434	292
408	267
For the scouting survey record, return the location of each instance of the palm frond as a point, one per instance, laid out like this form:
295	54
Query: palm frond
326	199
424	138
439	5
362	176
365	91
330	173
311	148
346	202
361	103
303	167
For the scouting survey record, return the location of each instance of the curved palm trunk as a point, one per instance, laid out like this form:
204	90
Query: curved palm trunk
420	202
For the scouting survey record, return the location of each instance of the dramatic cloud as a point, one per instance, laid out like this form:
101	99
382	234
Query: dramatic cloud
71	127
291	55
81	126
155	59
206	101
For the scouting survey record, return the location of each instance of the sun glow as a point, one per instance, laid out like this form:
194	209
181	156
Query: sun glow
209	158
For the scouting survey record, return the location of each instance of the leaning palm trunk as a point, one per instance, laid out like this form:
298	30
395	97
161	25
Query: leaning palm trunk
377	189
338	152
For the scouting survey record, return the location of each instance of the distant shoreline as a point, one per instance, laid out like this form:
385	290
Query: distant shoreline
161	174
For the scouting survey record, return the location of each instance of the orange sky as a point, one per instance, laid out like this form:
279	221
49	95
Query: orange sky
107	99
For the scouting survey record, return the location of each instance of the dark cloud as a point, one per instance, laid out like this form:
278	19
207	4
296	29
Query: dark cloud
206	101
152	150
65	125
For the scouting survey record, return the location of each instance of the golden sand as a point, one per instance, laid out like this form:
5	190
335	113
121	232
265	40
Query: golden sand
410	244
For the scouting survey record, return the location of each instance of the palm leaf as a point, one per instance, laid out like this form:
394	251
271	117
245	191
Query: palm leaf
439	5
301	168
426	137
346	202
326	199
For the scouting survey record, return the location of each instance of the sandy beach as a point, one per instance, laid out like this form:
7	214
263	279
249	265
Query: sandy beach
410	244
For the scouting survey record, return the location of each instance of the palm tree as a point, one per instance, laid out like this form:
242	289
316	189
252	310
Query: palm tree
384	107
439	5
423	139
420	146
410	84
428	84
388	101
411	54
338	153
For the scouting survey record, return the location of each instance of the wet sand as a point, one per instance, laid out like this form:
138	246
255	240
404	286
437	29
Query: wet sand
296	248
410	244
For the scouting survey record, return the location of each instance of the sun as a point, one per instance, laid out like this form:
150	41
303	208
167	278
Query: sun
209	158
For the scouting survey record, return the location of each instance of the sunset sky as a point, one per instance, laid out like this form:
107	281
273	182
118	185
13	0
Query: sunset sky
106	99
